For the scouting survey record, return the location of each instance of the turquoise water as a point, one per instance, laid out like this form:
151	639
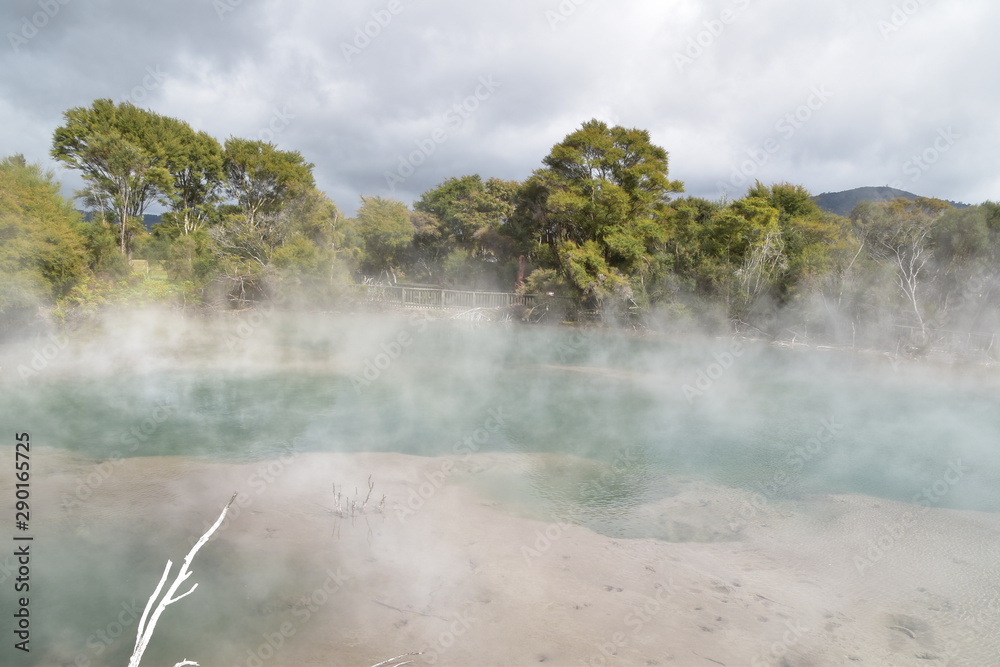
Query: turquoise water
889	432
623	418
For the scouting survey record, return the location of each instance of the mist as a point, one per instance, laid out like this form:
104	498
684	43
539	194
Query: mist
570	495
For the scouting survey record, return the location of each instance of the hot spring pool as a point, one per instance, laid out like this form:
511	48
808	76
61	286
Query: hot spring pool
617	436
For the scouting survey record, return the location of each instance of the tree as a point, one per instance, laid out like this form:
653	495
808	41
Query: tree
386	229
195	163
898	233
313	255
812	238
746	233
688	251
466	206
263	182
430	245
42	254
462	232
603	189
261	178
966	244
121	151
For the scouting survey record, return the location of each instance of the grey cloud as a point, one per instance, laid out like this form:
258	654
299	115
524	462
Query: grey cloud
359	105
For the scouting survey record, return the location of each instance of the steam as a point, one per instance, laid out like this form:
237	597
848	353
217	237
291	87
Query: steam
599	434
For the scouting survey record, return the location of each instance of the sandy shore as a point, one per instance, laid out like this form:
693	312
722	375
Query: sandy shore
450	570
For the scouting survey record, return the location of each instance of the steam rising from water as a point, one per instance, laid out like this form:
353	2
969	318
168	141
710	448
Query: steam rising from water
618	418
343	384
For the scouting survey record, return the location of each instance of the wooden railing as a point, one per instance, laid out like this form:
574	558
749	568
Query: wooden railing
433	297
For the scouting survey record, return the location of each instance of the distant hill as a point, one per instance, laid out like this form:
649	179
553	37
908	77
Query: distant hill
148	219
842	203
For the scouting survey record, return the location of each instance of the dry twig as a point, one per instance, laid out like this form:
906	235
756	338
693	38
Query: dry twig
350	508
392	661
145	631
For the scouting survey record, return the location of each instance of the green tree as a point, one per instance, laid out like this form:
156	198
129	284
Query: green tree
813	239
263	183
385	227
313	262
260	178
42	253
695	268
604	190
462	234
122	153
467	205
195	163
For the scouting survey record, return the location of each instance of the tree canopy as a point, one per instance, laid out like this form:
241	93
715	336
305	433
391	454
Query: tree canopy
41	250
600	206
121	151
261	178
385	228
600	221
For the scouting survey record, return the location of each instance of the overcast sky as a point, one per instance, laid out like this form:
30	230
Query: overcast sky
392	97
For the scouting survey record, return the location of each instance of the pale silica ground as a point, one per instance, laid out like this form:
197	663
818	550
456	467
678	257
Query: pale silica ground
452	570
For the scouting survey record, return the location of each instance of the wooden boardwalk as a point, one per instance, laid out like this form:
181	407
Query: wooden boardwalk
401	296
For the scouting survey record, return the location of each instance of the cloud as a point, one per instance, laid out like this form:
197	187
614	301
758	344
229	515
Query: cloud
361	85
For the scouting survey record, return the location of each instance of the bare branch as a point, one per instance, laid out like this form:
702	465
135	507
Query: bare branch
392	660
145	632
149	604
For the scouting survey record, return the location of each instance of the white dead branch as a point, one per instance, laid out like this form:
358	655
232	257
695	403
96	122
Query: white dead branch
345	507
392	661
145	631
